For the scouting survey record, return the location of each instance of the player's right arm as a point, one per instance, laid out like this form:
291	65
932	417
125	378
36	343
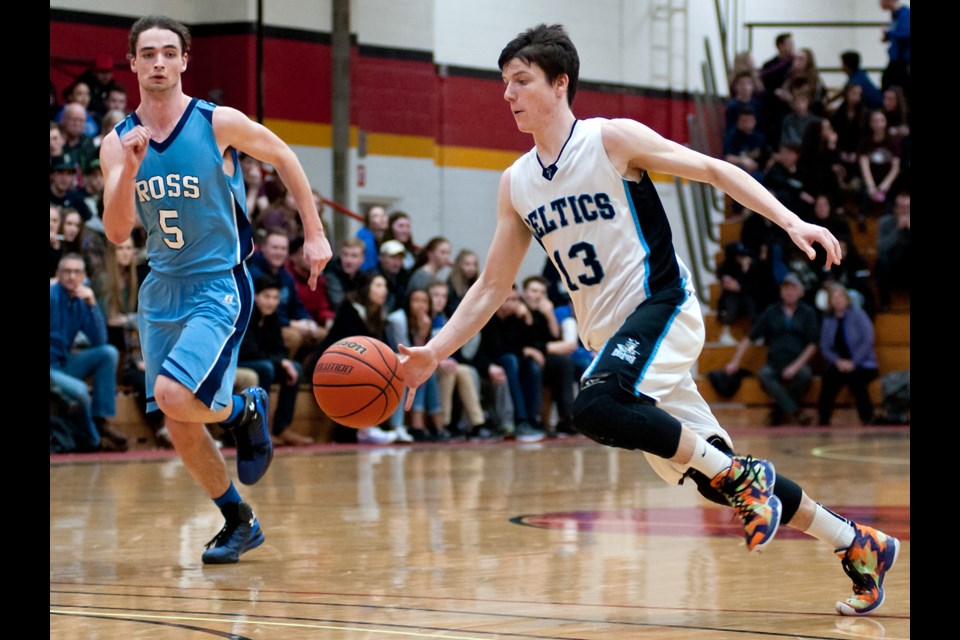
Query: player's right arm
633	147
119	160
507	250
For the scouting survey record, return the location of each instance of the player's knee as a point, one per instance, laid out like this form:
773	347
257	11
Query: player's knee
612	416
169	394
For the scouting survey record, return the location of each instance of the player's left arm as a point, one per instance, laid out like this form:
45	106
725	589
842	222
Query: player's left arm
234	129
633	148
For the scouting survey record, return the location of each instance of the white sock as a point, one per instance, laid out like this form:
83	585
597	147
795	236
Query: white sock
831	528
707	459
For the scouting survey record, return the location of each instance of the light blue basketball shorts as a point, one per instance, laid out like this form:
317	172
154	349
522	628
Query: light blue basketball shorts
191	328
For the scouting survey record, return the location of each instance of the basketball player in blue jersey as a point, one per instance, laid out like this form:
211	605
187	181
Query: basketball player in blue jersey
174	163
584	193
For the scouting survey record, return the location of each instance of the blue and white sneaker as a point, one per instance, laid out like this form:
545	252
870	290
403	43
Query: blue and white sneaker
252	433
239	535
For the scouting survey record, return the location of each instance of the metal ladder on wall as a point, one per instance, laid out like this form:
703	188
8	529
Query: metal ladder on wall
670	49
669	29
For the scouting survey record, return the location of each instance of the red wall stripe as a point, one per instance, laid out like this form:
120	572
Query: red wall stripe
389	95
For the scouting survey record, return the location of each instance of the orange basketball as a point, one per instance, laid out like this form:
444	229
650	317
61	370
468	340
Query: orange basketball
357	382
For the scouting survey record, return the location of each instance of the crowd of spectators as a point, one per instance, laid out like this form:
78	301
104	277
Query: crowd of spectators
842	162
381	283
838	161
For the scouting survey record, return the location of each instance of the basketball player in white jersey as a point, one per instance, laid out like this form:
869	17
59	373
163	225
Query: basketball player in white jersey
584	193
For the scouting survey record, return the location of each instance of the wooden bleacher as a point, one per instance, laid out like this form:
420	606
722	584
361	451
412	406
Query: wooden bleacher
748	407
308	419
751	404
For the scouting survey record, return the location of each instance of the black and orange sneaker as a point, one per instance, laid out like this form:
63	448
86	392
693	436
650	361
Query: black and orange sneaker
747	484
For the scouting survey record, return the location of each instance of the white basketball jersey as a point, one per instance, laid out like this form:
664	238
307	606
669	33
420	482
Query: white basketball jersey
609	238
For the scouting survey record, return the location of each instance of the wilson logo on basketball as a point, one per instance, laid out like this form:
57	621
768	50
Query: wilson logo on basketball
350	344
334	367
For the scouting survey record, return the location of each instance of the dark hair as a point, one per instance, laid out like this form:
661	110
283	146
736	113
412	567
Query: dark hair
68	91
783	37
411	319
422	257
159	22
850	59
812	143
388	234
376	319
550	49
75	245
902	110
266	281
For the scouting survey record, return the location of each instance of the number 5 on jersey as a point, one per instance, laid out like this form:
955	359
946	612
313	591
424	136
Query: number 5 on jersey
168	220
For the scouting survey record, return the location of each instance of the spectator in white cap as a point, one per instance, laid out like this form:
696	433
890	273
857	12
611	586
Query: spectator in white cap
391	267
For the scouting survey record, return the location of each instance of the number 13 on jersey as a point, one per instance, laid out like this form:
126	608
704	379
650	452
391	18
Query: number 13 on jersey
583	257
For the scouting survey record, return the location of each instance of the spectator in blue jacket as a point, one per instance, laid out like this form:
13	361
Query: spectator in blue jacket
897	37
846	344
73	309
850	63
372	233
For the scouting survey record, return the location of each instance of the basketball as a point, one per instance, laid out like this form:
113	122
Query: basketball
357	382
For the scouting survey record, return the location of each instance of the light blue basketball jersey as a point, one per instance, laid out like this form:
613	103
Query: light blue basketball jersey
194	214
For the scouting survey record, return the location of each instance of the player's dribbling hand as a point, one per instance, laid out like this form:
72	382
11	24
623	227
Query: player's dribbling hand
417	364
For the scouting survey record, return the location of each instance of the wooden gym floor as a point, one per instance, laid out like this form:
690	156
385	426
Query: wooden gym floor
562	539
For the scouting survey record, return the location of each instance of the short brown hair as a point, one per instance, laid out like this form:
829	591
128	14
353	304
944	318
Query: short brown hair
159	22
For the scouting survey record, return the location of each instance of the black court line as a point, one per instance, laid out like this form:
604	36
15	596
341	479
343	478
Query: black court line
160	623
421	626
831	614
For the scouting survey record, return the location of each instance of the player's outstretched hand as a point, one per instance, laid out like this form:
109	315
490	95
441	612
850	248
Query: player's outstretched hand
417	364
804	235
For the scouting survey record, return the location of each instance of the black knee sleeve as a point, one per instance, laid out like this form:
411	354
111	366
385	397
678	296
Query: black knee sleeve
612	416
786	489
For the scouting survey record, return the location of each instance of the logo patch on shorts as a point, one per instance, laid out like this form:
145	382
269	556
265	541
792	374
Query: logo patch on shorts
228	299
627	352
